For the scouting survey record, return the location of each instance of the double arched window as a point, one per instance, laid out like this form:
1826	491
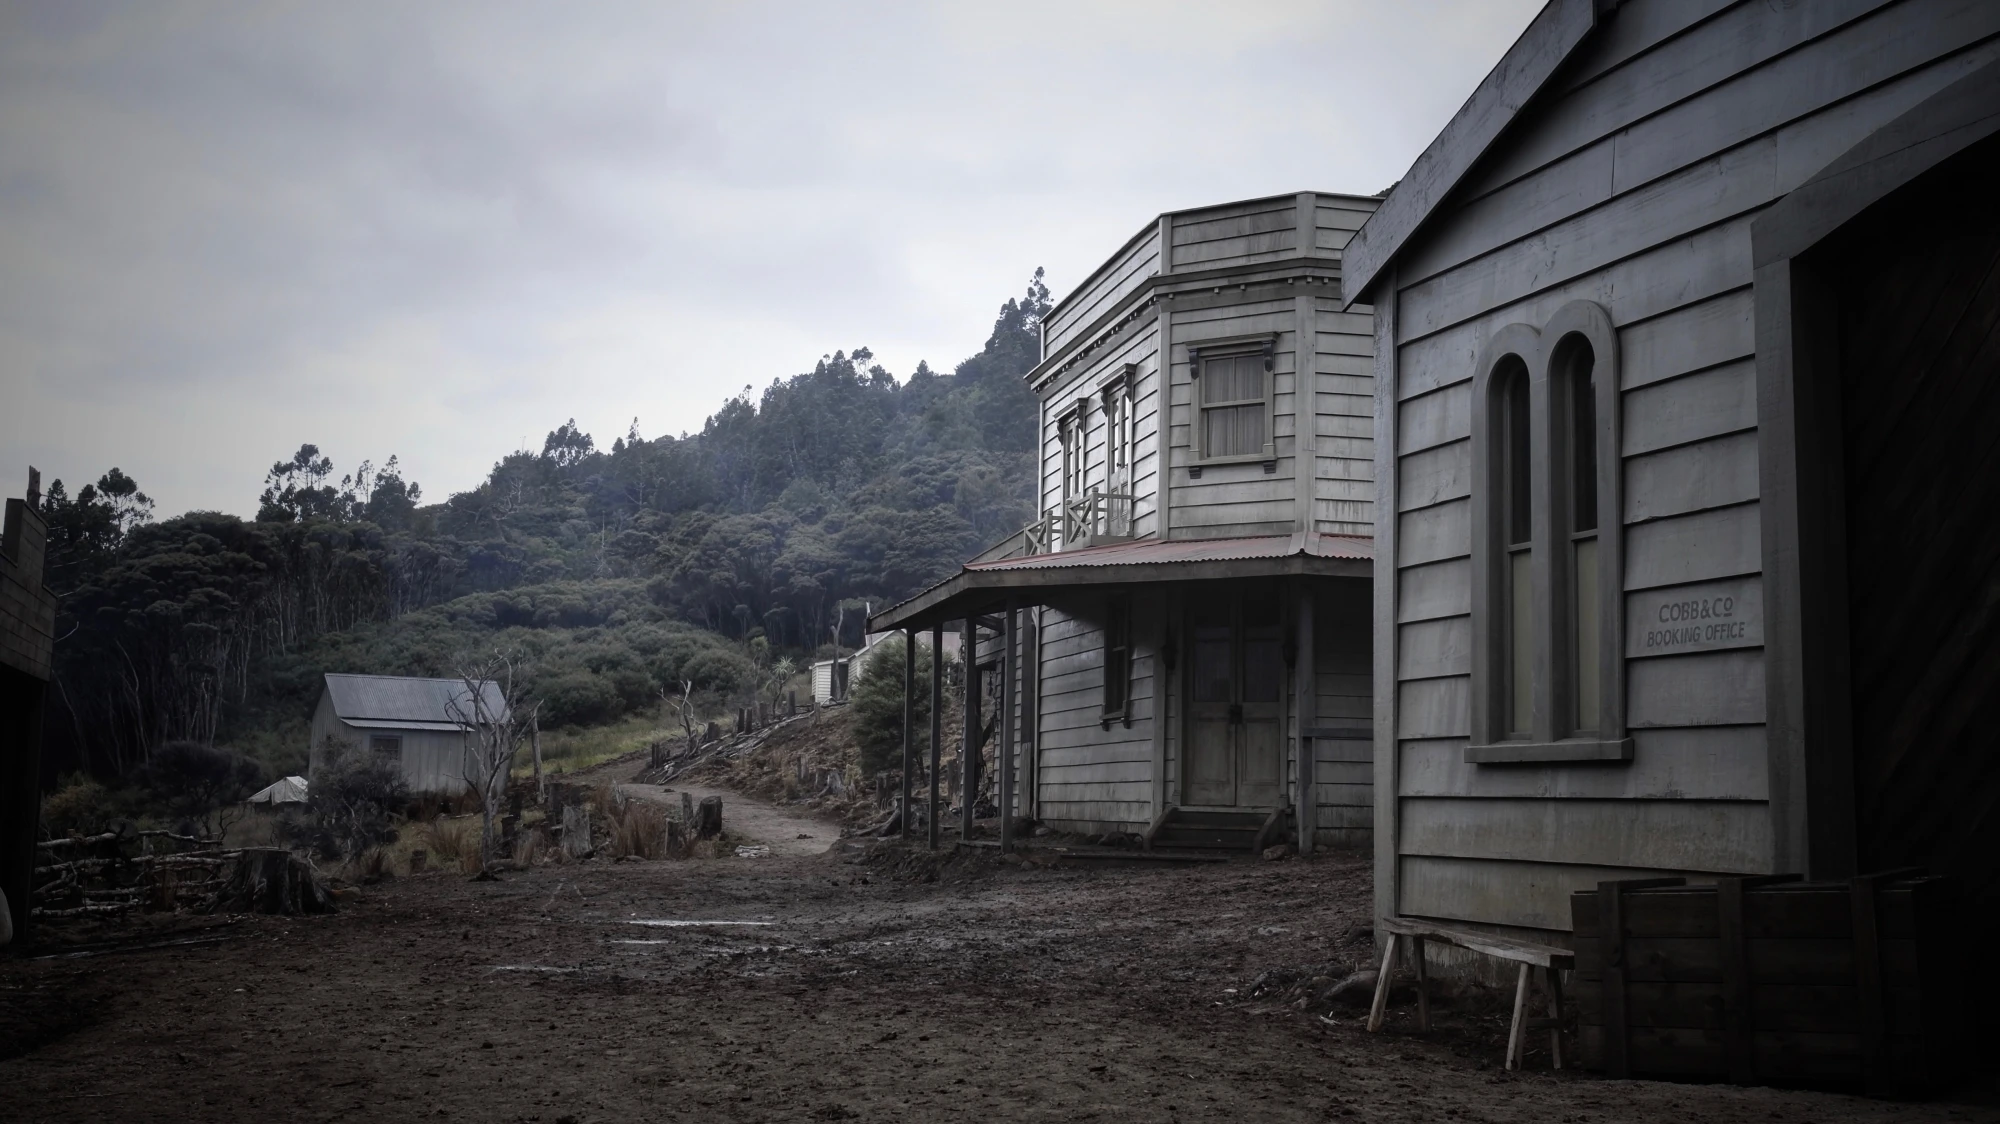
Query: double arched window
1547	678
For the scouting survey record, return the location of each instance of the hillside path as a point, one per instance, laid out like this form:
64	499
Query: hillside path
745	819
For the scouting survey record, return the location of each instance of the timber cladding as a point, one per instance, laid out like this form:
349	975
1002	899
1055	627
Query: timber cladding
1650	138
1746	980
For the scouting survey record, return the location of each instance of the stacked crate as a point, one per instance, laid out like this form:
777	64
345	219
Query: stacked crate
1770	981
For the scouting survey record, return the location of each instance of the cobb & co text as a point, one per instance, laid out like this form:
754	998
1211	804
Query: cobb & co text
1700	620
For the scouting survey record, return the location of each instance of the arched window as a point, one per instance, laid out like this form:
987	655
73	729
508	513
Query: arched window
1517	542
1575	369
1547	609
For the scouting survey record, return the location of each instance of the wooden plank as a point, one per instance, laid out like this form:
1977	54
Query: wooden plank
1707	689
1703	1006
1708	55
1434	708
1434	533
1437	589
1427	649
1894	57
1665	277
1553	193
1790	961
1722	400
1099	772
1680	835
1691	548
1519	894
1772	910
1435	418
1436	474
1716	473
1694	337
1668	763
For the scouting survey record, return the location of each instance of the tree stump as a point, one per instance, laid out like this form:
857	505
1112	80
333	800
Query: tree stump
576	831
708	818
687	810
677	839
273	880
418	857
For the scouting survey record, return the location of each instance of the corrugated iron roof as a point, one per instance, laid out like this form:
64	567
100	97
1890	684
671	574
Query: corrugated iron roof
406	700
1313	543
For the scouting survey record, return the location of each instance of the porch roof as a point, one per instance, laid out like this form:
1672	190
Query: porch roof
980	586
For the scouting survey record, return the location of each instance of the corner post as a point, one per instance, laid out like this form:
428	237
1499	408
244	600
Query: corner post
1009	666
909	722
1305	799
969	759
937	726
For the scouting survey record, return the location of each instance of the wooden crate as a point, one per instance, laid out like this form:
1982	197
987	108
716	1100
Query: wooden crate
1770	981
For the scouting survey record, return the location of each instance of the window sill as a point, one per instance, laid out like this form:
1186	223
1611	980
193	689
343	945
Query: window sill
1572	749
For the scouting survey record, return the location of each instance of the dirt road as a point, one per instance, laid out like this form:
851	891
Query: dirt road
837	986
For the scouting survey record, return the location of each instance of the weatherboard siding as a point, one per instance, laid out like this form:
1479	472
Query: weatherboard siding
1631	182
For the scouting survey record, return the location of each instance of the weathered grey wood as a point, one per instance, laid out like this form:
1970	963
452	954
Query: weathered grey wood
1652	834
1427	649
1713	403
907	781
1433	533
1435	418
1694	337
1437	474
937	732
1716	473
1434	708
1692	548
1528	896
1437	589
1009	670
1691	763
1708	689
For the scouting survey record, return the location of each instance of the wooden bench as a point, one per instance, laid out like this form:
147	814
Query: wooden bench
1550	959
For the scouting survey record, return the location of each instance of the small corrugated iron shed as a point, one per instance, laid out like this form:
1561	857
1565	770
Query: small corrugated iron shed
421	723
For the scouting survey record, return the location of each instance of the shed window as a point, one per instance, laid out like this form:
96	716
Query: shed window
387	745
1118	660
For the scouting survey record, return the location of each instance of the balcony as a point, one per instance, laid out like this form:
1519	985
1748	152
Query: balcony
1092	519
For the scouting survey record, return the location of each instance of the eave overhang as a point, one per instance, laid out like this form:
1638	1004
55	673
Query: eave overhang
981	587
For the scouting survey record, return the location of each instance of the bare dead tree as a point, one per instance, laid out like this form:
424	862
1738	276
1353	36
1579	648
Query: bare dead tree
682	703
495	711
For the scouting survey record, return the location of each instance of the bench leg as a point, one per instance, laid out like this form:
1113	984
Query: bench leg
1423	984
1381	1004
1555	1016
1517	1032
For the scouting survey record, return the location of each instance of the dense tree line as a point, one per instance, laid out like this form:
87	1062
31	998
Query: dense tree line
700	557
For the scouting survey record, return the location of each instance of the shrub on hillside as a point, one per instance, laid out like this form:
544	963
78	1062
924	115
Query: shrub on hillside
197	784
350	805
878	705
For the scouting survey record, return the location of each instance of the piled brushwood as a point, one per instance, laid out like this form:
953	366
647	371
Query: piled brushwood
114	873
1774	981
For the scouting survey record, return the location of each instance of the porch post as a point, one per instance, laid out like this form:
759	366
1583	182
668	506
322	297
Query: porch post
937	725
1306	802
909	720
969	761
1009	664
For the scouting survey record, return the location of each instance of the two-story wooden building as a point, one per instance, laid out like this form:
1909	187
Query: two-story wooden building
1688	379
1184	634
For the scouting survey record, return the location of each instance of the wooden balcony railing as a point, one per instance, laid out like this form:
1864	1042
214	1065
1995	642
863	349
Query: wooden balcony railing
1091	519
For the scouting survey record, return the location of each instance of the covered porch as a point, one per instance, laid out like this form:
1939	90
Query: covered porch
1114	661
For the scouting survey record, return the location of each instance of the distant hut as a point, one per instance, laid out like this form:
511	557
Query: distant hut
419	723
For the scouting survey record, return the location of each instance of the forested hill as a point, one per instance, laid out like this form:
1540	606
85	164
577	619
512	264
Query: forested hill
620	571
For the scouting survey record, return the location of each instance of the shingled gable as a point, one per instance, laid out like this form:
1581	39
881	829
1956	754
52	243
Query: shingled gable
1499	99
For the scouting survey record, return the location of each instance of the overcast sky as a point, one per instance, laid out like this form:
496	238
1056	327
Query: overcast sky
439	230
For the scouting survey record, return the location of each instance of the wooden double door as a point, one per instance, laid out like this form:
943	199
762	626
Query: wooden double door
1234	739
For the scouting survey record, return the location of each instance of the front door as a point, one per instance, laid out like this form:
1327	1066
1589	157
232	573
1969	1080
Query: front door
1235	747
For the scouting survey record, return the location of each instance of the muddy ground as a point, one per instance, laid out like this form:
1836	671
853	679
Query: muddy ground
873	986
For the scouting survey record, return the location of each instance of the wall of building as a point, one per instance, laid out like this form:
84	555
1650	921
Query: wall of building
1632	184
